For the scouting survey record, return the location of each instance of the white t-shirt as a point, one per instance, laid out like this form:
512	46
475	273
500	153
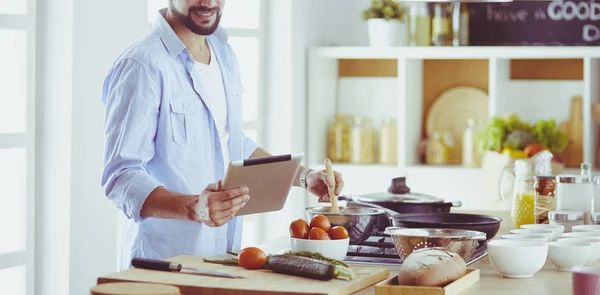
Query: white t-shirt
216	101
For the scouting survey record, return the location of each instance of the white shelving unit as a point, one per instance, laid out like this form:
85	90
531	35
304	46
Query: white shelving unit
448	182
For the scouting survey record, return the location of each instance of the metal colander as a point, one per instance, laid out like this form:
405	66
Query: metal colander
461	242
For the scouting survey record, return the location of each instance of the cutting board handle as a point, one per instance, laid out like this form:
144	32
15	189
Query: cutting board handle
155	264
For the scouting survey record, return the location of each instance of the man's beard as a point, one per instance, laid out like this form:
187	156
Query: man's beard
189	22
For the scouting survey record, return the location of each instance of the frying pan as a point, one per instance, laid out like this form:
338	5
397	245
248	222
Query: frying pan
483	223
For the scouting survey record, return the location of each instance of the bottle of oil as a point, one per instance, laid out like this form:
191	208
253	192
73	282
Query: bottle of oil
460	24
419	24
441	25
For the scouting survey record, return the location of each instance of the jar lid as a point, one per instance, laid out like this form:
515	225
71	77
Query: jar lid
569	178
595	216
544	177
566	215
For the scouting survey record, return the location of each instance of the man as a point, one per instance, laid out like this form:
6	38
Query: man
173	122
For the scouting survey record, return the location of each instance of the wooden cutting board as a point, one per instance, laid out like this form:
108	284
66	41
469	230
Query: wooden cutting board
573	154
255	281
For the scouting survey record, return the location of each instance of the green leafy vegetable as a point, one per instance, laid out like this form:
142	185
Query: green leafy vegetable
514	133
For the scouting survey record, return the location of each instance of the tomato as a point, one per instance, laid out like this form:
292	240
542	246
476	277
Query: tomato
318	234
338	233
299	229
321	222
532	149
252	258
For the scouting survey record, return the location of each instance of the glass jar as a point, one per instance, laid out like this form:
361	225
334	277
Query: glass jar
573	194
419	24
438	150
338	139
388	141
595	217
362	141
568	219
544	201
441	25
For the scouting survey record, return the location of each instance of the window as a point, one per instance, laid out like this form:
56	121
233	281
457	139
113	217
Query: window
17	52
244	21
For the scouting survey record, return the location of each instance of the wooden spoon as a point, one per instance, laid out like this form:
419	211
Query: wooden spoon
334	200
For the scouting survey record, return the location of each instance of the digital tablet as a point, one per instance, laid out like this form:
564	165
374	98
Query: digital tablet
269	180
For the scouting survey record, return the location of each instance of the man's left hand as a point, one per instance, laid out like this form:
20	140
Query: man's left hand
317	183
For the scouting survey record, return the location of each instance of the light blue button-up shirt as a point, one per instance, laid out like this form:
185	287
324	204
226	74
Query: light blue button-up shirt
160	132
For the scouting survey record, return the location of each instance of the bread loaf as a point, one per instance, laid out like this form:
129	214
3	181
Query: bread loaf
433	267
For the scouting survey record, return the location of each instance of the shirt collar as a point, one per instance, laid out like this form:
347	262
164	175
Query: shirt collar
172	41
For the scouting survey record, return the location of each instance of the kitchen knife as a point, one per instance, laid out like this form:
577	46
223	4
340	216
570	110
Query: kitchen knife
172	266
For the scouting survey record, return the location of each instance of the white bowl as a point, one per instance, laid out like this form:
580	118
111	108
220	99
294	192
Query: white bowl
595	255
526	237
568	256
334	249
557	229
582	234
543	232
586	228
517	259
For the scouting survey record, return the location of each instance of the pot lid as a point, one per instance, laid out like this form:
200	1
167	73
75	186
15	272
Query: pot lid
398	192
397	198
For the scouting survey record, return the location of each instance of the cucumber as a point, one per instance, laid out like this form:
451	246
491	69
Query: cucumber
307	267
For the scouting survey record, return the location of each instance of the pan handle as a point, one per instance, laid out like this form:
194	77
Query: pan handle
456	204
479	238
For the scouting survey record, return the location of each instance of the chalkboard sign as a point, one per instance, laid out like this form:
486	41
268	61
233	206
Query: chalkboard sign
535	23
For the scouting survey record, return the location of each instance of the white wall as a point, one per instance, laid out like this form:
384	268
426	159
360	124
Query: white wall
102	30
76	225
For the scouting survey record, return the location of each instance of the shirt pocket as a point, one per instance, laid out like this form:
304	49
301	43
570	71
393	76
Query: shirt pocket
187	121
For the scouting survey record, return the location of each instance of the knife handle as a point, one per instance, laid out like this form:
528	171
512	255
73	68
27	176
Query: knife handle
155	264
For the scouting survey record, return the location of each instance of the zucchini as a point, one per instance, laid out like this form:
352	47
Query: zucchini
307	267
224	261
317	256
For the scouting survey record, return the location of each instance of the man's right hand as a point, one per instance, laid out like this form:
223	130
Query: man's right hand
216	207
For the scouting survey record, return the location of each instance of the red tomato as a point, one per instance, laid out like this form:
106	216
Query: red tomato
252	258
338	233
321	222
299	229
318	234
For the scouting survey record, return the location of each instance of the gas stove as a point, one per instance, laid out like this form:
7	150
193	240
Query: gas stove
379	249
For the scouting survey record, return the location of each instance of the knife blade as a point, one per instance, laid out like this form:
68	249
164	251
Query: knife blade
160	265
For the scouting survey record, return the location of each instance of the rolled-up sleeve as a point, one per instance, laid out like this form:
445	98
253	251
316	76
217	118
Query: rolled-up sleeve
131	97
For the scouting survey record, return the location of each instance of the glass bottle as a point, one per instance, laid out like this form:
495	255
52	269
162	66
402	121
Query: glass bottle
460	24
388	142
441	25
468	145
522	210
338	139
362	143
438	151
544	202
419	24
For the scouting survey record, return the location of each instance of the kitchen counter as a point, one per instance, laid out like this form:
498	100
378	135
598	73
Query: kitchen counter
547	281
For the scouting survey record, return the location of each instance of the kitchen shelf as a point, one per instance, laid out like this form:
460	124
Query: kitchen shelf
451	52
402	96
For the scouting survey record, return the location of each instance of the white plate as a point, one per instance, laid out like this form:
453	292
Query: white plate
450	112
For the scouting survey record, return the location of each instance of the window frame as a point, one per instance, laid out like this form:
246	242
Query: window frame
27	23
